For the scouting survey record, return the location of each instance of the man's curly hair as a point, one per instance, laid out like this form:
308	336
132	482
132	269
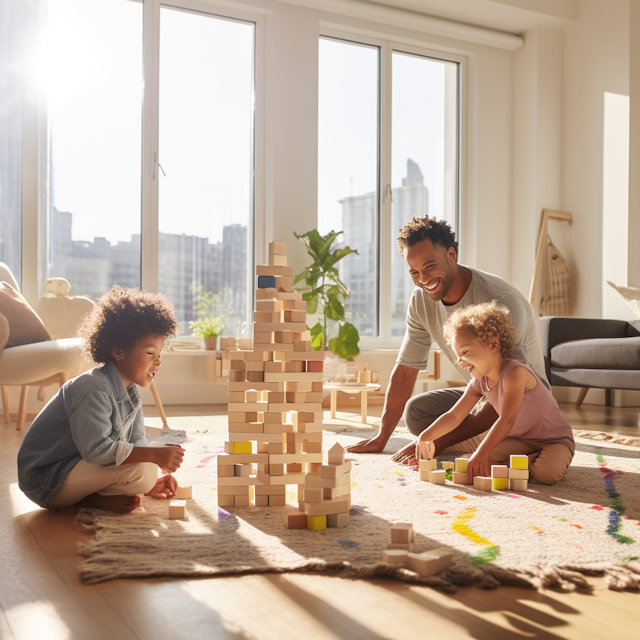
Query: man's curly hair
121	318
489	321
417	229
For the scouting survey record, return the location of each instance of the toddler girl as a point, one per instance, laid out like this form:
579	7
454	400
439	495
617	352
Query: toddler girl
529	419
87	447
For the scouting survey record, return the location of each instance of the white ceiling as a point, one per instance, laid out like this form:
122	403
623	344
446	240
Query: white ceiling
512	16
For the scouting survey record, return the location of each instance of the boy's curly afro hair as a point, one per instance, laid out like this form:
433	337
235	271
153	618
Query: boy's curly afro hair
121	318
417	229
489	321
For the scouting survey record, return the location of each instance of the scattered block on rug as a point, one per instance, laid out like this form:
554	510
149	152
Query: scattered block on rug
402	532
395	556
461	478
338	520
499	471
177	509
499	484
447	465
519	462
516	484
461	465
518	474
430	562
184	492
437	476
482	483
403	546
428	465
316	523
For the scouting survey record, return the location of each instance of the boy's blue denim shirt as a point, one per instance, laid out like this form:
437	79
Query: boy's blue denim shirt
93	418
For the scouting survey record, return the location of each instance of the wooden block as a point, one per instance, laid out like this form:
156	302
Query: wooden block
331	494
276	469
234	489
461	465
274	367
482	483
402	532
316	523
294	448
254	365
294	467
395	556
237	365
313	495
295	397
261	386
424	475
229	447
518	473
312	447
316	480
296	366
262	501
401	546
255	376
303	346
278	248
277	501
275	448
314	467
248	407
335	470
294	305
437	476
270	490
275	417
314	407
227	471
336	454
184	493
447	465
276	397
251	396
315	366
295	520
225	459
177	509
236	376
245	416
519	462
273	270
235	396
282	337
269	306
291	458
258	437
292	377
242	501
461	478
431	562
518	484
226	501
284	283
270	327
327	507
266	282
499	484
268	294
262	447
428	465
499	471
338	520
310	427
241	470
238	481
260	338
312	356
310	415
294	316
241	447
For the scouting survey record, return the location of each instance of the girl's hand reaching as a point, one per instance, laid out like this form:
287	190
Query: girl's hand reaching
478	465
166	487
169	459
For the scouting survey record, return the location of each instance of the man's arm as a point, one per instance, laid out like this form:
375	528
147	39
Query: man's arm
399	391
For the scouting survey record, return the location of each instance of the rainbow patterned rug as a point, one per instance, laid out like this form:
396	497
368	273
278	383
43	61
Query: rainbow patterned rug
587	524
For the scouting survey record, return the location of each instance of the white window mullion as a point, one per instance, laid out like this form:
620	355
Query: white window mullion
150	156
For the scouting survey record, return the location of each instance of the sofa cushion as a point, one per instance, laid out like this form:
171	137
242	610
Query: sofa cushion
597	353
25	325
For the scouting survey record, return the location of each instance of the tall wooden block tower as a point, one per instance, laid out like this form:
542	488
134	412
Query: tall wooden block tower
275	398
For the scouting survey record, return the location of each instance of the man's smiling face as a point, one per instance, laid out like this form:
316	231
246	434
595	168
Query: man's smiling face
431	267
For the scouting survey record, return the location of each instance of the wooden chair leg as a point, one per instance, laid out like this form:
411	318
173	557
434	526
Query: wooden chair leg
581	396
5	404
22	409
608	394
156	399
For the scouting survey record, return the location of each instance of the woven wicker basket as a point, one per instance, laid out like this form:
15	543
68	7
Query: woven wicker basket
557	289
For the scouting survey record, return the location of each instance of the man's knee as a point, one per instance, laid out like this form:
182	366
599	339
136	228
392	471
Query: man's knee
415	417
142	477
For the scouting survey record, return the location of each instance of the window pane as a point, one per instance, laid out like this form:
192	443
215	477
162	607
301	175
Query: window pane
206	152
94	73
11	135
424	157
348	169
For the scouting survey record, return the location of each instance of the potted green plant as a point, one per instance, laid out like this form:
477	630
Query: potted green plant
209	329
325	294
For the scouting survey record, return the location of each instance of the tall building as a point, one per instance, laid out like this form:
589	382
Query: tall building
359	272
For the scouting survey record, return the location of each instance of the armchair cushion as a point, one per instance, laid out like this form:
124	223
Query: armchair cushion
597	353
25	327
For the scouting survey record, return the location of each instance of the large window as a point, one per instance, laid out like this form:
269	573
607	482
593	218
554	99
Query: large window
388	151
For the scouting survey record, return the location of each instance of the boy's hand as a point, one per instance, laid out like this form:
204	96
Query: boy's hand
169	459
478	465
166	487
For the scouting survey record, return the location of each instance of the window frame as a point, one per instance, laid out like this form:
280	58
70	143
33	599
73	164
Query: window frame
387	48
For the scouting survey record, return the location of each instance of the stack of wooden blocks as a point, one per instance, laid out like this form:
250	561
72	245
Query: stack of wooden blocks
275	398
400	552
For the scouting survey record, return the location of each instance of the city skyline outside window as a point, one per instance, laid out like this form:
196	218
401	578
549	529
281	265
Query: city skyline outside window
11	60
206	154
348	128
94	112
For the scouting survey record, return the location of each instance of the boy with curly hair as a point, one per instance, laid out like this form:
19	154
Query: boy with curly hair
87	447
529	420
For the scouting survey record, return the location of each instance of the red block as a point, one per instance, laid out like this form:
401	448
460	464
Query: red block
295	520
315	366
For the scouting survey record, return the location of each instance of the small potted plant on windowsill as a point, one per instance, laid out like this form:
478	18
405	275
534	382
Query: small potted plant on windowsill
209	329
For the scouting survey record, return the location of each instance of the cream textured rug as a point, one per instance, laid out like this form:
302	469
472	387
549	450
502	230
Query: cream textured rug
548	537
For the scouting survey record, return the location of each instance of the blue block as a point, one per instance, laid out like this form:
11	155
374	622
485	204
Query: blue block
266	282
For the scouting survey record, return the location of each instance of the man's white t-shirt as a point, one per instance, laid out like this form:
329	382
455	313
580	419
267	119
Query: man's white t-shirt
426	318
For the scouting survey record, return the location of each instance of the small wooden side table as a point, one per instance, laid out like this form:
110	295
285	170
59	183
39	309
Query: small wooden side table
363	389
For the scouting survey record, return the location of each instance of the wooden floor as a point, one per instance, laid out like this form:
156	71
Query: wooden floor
41	596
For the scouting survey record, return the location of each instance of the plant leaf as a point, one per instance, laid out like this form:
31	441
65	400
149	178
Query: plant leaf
313	241
316	336
338	254
303	275
335	310
333	274
311	298
326	246
346	344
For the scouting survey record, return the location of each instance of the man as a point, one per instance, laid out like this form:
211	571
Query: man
430	250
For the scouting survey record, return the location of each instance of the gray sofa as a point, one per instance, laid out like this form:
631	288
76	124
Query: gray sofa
586	352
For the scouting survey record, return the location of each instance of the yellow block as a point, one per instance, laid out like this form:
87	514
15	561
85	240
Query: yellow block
461	465
519	462
499	484
316	523
241	447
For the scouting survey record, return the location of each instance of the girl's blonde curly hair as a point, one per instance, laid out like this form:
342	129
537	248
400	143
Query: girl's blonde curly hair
489	321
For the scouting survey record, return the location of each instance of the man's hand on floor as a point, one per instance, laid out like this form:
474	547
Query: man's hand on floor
373	445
